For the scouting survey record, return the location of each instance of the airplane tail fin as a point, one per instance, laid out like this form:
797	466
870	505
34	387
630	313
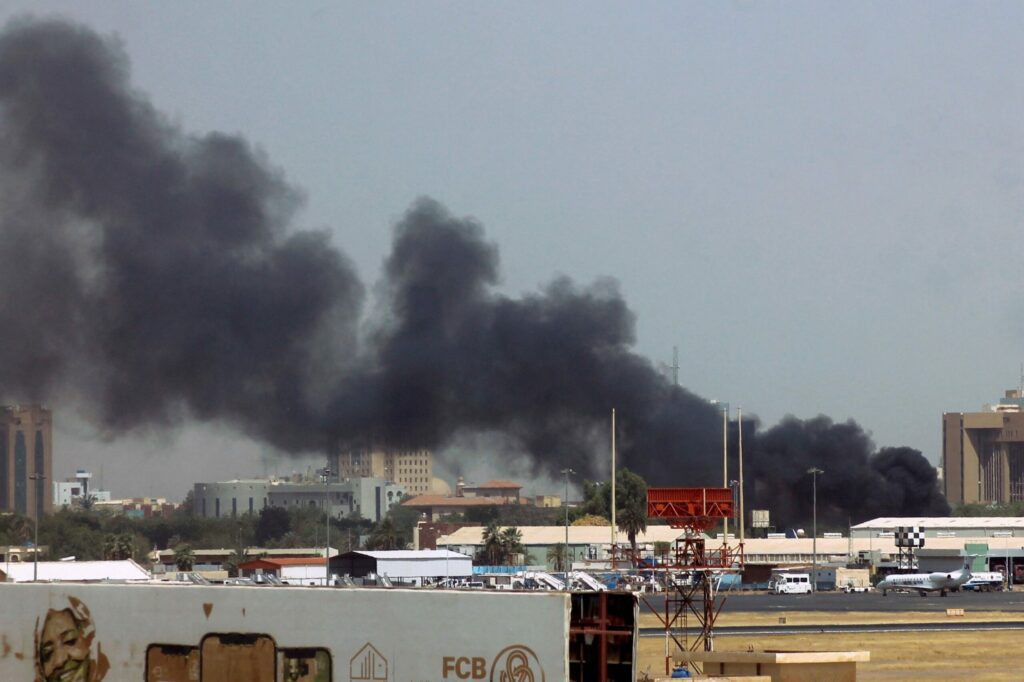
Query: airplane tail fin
967	561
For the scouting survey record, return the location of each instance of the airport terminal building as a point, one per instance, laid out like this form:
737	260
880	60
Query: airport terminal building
983	453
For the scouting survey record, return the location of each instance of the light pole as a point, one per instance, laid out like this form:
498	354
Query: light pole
725	460
814	471
326	471
39	508
565	553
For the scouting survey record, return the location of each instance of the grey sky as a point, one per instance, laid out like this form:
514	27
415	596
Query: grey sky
817	202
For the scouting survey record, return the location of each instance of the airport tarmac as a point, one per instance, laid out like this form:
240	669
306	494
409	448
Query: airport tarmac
870	601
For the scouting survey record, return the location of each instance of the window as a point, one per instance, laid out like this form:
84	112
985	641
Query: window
304	665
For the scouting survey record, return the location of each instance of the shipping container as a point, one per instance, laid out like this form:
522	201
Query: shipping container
188	633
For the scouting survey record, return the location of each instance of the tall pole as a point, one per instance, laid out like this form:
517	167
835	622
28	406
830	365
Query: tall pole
814	471
613	489
565	554
35	542
327	504
725	465
743	511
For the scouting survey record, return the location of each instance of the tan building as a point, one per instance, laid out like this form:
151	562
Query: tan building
983	453
411	469
26	460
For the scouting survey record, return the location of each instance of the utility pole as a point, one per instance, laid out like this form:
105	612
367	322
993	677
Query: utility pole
814	471
565	554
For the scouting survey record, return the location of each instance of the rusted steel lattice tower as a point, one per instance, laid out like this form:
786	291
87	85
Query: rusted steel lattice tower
691	570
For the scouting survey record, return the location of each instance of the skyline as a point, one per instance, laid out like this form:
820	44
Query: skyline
816	205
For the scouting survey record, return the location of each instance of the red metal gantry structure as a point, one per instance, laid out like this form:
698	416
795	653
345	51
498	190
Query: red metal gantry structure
692	565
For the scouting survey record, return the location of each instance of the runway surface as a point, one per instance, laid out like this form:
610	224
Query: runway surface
751	630
739	602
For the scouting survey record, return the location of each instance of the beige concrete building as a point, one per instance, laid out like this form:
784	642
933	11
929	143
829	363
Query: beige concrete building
411	469
983	453
26	460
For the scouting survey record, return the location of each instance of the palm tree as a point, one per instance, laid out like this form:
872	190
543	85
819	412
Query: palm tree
118	547
632	521
386	536
557	555
491	552
511	544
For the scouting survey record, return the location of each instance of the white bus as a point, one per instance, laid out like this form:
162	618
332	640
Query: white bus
790	583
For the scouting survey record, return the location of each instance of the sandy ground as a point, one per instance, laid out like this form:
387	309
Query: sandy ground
984	655
649	620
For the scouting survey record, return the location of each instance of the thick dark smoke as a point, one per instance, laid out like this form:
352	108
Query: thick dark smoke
152	276
858	483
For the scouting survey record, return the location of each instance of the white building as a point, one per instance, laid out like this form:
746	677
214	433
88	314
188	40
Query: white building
72	491
404	566
370	498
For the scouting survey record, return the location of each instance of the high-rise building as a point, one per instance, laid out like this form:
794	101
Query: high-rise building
413	470
26	460
983	453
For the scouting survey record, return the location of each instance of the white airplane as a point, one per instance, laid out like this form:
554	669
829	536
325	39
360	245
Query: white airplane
924	583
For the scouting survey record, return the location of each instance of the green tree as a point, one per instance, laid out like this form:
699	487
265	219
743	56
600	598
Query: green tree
118	546
511	543
272	524
631	506
386	536
184	557
491	550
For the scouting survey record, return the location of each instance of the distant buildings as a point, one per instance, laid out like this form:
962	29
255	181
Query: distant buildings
76	491
26	460
983	453
370	497
413	470
486	495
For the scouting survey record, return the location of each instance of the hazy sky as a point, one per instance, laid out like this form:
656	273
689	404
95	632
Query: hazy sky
818	203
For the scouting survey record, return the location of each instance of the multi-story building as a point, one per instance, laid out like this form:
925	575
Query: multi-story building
76	491
26	459
368	497
413	470
983	453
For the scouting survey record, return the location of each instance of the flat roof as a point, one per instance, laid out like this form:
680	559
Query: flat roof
939	522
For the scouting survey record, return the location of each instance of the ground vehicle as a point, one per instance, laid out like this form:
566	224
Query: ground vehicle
790	583
984	582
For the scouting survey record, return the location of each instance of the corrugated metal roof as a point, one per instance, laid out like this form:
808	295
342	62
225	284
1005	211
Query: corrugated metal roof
551	535
76	571
410	554
940	522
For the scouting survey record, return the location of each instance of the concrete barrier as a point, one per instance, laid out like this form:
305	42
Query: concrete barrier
780	666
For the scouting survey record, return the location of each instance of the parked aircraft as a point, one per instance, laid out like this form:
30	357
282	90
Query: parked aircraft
924	583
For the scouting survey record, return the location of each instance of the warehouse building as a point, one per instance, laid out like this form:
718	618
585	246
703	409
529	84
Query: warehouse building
404	566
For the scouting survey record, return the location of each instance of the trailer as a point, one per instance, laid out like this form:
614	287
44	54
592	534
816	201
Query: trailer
186	633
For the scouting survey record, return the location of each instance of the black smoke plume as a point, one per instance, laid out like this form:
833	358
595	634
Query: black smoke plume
153	276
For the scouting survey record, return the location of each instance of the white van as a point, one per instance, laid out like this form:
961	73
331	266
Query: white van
790	583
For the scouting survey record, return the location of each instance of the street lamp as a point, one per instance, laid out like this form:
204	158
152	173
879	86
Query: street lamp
725	460
39	508
814	471
326	472
565	553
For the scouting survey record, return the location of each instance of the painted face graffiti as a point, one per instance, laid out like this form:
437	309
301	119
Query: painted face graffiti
64	651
